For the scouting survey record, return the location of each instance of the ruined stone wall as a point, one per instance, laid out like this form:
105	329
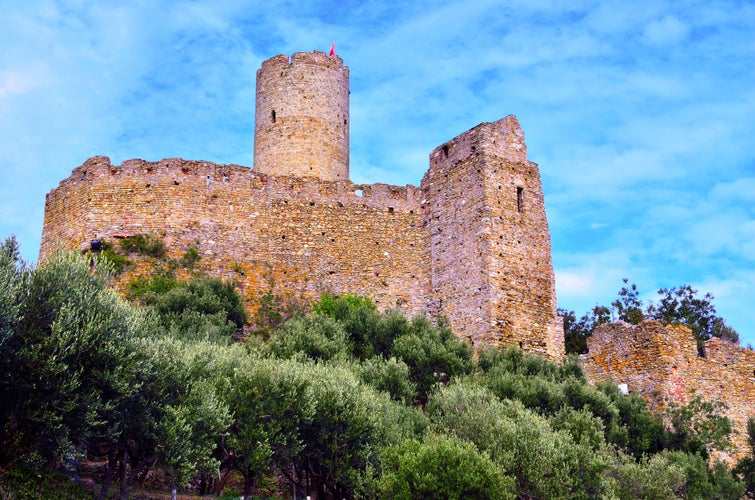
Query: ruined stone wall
303	236
661	363
490	243
302	117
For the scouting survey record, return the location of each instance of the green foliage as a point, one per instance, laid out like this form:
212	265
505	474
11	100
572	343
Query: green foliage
274	310
351	424
341	306
186	389
145	290
682	305
22	483
118	262
577	331
746	466
11	249
315	337
71	353
545	463
202	308
699	426
388	375
361	320
441	466
144	244
345	402
652	478
12	278
547	388
433	354
316	424
190	258
640	431
673	474
628	305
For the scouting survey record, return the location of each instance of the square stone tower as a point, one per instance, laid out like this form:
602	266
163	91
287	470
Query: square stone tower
490	251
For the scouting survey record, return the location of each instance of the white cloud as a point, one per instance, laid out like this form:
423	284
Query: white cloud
667	30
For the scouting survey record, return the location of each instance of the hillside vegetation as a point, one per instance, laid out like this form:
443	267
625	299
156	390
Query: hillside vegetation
341	401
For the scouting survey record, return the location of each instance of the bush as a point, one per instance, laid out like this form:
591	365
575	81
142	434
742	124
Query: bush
390	376
144	244
441	466
545	463
315	337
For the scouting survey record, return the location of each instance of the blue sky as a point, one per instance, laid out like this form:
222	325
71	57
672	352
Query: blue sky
640	114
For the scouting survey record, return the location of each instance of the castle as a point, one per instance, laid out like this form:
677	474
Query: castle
471	243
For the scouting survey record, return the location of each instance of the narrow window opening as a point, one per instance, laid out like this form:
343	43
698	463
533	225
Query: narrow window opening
272	116
208	180
359	192
390	210
520	199
445	152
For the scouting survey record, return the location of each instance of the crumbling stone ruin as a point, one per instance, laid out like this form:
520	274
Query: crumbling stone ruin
661	362
470	243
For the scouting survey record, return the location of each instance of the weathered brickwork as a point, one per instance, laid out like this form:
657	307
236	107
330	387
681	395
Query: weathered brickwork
471	243
661	362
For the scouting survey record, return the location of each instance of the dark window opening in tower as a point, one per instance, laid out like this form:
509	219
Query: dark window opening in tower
520	199
445	152
272	116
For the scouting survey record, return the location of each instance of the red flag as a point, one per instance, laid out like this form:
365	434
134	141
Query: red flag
333	48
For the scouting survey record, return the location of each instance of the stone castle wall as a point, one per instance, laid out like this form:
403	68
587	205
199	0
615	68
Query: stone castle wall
661	363
303	236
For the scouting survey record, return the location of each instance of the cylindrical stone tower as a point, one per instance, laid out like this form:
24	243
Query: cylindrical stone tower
302	117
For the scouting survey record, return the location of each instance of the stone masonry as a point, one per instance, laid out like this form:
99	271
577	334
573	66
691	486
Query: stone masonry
471	243
661	363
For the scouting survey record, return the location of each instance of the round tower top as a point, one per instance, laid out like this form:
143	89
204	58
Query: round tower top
302	117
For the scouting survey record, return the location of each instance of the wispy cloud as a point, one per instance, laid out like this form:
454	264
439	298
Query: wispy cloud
639	114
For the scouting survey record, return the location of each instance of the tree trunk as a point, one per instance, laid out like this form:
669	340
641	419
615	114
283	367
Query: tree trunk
108	479
220	484
123	477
